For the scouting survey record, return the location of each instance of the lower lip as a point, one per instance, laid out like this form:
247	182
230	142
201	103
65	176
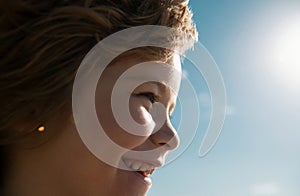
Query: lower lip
145	180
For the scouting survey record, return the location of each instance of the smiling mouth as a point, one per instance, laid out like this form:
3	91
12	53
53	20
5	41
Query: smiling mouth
146	173
142	169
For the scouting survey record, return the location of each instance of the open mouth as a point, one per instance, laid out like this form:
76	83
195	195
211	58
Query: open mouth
146	173
143	169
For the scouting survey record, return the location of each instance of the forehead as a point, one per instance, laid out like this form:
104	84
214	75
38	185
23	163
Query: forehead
133	70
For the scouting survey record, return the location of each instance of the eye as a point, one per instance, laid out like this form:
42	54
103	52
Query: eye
151	96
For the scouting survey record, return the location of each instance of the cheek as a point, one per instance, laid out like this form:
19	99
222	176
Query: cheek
120	135
139	113
139	110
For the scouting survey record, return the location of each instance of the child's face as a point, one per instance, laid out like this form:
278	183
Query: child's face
141	100
76	171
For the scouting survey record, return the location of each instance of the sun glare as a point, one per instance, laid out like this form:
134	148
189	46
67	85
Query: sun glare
287	54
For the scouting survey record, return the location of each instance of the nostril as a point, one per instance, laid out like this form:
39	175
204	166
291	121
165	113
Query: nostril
162	143
166	137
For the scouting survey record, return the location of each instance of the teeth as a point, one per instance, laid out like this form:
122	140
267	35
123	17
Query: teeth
136	166
139	166
144	167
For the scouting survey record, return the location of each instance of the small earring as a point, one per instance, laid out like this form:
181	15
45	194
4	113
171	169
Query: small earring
41	128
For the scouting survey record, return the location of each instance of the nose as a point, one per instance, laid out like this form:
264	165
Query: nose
166	136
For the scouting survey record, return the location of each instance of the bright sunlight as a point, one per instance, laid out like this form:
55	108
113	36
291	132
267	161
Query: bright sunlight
287	53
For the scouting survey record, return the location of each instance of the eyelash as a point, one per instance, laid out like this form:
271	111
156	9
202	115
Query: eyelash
151	96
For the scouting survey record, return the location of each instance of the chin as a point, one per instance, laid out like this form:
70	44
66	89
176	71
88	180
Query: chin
130	183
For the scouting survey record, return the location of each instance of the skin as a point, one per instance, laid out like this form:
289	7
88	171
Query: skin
64	166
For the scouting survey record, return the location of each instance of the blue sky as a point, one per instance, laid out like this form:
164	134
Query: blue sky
255	45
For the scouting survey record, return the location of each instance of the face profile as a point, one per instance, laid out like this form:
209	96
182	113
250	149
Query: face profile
59	140
79	169
136	178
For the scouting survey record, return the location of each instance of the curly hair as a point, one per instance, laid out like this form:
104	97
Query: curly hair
44	42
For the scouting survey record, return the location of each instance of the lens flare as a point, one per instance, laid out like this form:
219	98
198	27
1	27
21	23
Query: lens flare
287	54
